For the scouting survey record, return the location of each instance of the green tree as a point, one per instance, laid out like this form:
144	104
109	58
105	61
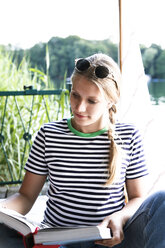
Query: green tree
37	56
64	51
160	66
150	57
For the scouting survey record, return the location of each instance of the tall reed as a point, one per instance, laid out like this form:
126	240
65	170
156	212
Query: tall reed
23	115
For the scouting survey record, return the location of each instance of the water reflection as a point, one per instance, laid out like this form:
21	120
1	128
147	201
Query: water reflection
156	89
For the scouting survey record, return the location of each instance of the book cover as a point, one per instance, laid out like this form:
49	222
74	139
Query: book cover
39	235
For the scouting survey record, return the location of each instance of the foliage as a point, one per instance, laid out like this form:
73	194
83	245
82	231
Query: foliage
148	58
159	67
62	53
22	116
45	66
151	62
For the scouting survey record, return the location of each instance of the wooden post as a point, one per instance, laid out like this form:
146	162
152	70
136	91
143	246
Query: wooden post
120	34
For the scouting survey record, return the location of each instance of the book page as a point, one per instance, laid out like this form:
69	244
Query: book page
17	221
71	235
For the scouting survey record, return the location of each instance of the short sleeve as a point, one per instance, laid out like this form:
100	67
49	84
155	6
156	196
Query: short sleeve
36	162
137	163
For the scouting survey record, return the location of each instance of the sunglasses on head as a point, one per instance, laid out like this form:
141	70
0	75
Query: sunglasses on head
100	71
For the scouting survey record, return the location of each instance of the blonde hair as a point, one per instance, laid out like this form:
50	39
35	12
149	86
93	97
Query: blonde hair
111	88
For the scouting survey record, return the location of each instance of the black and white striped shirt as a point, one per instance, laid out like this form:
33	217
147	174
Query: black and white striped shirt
76	164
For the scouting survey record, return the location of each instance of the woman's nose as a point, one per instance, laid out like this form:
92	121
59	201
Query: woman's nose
81	106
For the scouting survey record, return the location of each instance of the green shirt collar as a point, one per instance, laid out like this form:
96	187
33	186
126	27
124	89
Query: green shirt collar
78	133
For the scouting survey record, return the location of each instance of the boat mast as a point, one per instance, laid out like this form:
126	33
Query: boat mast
120	34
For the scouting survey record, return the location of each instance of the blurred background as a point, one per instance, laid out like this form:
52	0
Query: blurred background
41	38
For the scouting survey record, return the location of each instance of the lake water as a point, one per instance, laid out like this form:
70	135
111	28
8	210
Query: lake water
157	91
155	136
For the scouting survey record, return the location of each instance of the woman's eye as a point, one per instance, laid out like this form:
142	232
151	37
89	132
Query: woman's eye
92	101
75	95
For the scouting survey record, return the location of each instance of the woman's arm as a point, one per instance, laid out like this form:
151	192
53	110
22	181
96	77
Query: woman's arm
136	190
28	192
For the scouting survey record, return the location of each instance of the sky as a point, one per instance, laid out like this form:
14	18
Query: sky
23	23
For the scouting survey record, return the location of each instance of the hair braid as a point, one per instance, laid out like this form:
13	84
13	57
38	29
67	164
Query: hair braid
113	153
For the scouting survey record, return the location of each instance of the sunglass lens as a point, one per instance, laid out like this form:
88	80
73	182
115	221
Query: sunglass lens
101	71
82	64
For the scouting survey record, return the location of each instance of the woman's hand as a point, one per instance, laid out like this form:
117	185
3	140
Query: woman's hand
115	222
136	190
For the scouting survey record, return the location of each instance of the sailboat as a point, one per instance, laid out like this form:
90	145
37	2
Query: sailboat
135	106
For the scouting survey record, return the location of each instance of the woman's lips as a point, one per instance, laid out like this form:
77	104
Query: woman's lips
80	116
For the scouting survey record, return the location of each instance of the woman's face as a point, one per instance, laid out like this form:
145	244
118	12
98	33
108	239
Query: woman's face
89	106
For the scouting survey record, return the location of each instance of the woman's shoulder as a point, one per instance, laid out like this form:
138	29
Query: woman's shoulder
127	130
59	125
54	124
119	126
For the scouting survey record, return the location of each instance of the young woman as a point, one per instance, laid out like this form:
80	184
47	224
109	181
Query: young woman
89	159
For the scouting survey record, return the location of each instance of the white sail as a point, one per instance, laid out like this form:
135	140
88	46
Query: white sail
135	104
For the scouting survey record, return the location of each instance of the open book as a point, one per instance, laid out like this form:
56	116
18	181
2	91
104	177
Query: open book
38	233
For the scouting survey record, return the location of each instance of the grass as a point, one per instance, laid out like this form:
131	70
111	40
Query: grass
22	116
